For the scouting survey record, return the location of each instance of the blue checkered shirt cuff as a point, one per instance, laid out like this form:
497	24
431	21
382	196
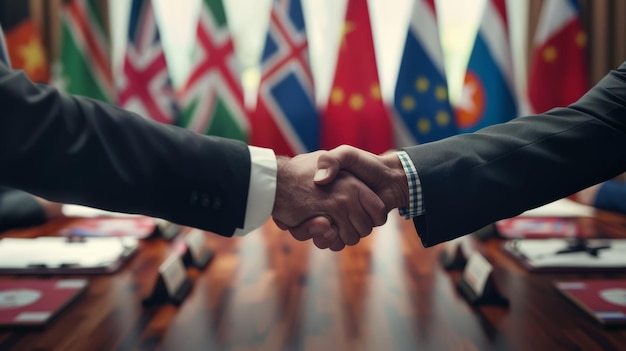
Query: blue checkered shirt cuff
416	203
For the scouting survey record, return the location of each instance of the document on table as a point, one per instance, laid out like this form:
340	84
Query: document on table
559	254
53	255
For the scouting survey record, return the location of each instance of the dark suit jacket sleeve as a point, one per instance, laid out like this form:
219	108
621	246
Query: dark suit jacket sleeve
19	209
472	180
77	150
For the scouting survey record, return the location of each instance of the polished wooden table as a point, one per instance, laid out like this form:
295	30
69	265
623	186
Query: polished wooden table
267	291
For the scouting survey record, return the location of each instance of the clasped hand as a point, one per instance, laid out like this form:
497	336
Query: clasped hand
336	197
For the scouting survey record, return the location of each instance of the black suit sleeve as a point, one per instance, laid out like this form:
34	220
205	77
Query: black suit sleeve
77	150
19	209
472	180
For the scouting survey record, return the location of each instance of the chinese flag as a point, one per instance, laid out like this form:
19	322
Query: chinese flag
356	114
23	40
559	70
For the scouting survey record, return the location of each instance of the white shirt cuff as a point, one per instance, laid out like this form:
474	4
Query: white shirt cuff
262	189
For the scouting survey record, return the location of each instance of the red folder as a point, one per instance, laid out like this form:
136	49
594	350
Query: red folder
538	227
604	300
35	302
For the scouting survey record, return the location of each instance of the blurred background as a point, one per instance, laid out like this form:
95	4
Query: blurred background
246	92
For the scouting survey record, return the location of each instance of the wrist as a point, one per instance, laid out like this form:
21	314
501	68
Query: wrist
282	175
399	185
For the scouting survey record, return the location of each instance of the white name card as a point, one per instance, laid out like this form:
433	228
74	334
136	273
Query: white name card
477	273
173	273
195	241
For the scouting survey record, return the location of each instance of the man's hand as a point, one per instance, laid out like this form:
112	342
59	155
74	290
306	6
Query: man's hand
384	173
349	205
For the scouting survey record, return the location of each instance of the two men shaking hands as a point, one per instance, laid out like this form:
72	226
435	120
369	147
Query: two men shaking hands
345	192
72	149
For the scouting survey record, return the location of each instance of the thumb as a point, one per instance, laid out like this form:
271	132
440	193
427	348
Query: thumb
331	162
328	166
364	165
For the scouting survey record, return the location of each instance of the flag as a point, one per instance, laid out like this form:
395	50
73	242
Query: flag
421	94
286	117
83	66
23	40
356	114
146	87
4	55
212	98
559	70
488	93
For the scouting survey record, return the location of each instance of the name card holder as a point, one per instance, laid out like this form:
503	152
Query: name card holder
453	255
196	255
172	284
166	230
487	232
477	283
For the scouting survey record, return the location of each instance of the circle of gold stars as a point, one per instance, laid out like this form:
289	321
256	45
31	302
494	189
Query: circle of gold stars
422	84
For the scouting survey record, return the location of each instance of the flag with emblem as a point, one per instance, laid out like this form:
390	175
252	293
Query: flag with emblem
488	93
286	117
146	87
356	114
4	55
559	69
212	98
83	66
23	40
421	94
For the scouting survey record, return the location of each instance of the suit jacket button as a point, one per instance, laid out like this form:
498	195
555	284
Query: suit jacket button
206	200
193	197
217	203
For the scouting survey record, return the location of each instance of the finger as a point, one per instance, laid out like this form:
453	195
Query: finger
280	224
325	240
373	206
337	245
353	220
345	157
308	229
347	232
361	221
344	208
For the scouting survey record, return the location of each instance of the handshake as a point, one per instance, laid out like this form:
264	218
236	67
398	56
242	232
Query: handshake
336	197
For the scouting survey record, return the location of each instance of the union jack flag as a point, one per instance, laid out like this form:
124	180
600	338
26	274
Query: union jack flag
146	87
286	118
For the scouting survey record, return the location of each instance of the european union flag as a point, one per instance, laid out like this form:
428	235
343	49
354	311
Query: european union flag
421	94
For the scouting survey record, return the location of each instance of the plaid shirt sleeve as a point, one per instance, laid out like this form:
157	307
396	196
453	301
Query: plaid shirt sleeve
416	203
